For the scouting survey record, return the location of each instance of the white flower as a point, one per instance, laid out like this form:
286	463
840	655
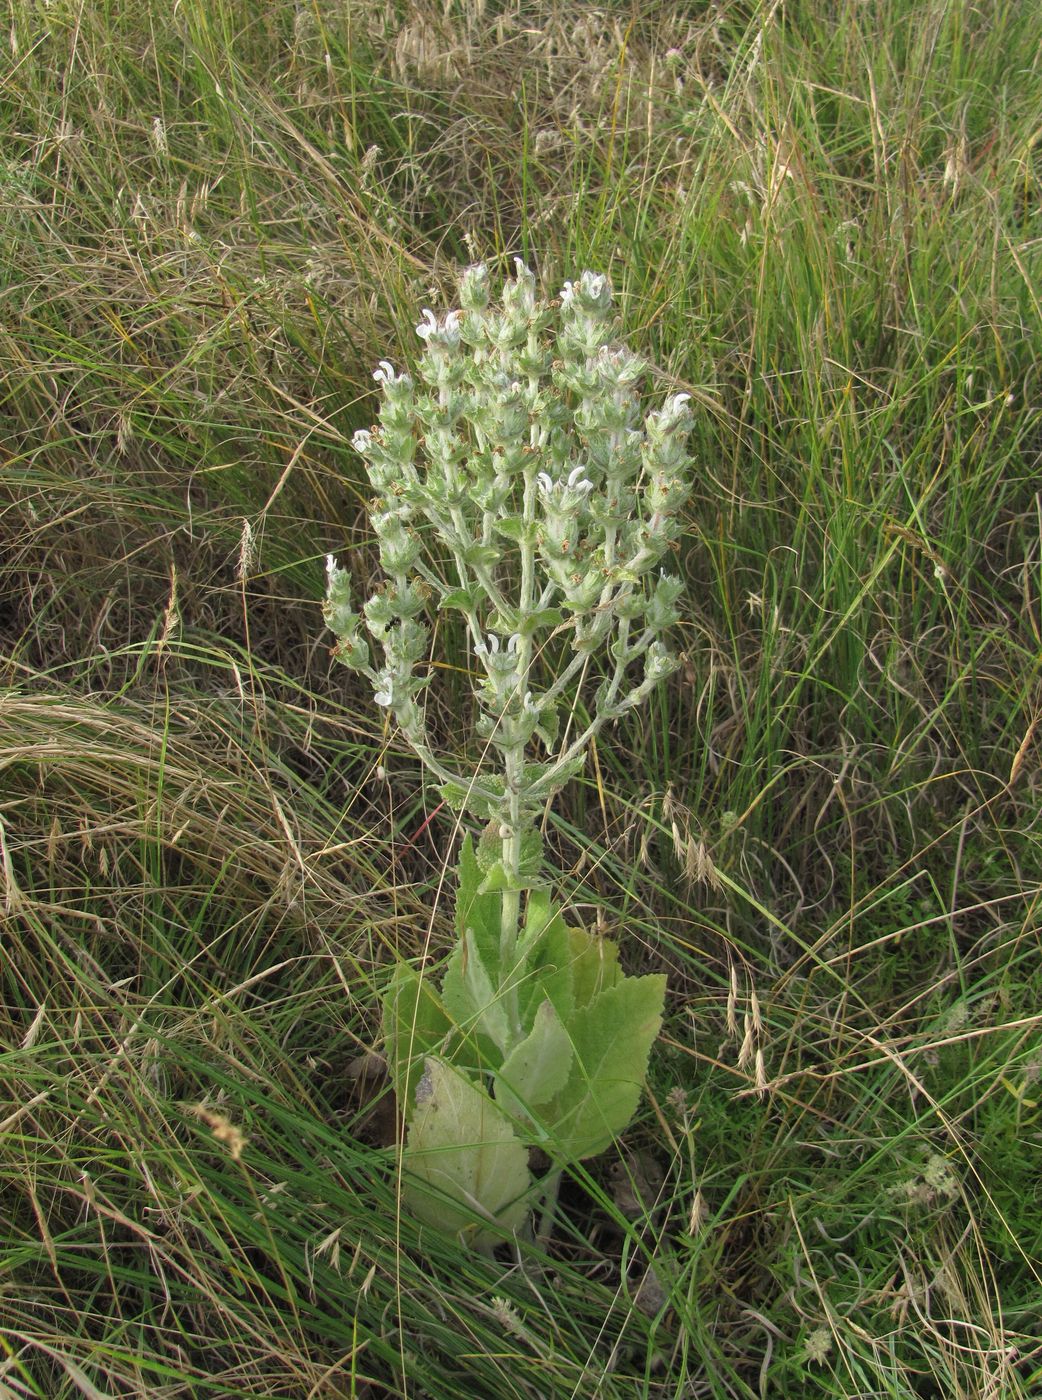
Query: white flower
385	374
445	333
362	440
330	566
549	489
383	695
593	287
493	645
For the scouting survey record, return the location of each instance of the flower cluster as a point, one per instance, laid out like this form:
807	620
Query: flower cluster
521	455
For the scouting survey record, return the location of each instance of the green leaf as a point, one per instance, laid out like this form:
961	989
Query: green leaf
466	599
477	911
595	965
611	1039
544	960
543	787
531	859
481	556
490	847
504	623
490	850
499	878
415	1024
471	996
549	725
534	622
537	1067
472	979
466	1172
465	799
495	880
514	528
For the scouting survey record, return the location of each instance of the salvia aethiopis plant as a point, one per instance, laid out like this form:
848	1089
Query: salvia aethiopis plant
521	485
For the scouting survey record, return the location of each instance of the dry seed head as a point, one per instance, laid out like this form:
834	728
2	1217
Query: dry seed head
222	1128
699	1214
33	1033
818	1345
508	1317
679	845
754	1010
247	551
698	865
171	616
937	1175
732	1004
124	432
159	141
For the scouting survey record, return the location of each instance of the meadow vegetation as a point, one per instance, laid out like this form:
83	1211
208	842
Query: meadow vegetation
823	220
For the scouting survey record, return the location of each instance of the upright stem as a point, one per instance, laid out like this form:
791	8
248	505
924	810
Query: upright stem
511	866
515	755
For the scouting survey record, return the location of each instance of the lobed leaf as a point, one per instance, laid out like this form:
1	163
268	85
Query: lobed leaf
611	1040
594	963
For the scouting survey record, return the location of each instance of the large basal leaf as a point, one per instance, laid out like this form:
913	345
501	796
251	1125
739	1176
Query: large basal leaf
471	999
611	1040
466	1172
544	960
566	965
537	1067
416	1024
594	963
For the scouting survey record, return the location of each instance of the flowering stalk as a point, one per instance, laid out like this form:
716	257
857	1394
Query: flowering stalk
524	449
518	482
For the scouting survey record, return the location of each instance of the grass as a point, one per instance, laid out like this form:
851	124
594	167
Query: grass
823	221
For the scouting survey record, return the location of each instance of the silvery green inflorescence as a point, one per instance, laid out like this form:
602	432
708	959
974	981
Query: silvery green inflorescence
519	481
